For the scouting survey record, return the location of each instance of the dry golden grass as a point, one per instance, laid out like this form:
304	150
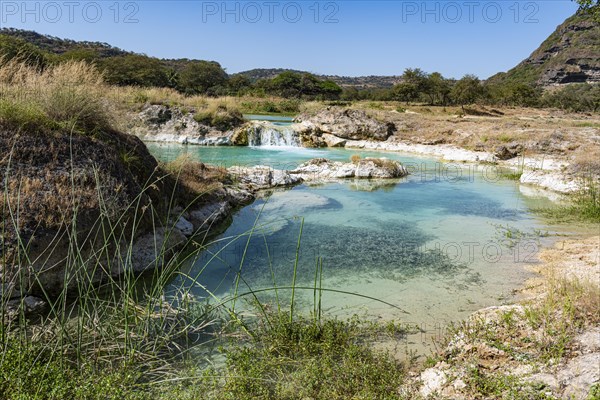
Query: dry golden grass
194	181
70	94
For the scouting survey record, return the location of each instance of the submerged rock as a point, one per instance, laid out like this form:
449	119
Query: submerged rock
298	203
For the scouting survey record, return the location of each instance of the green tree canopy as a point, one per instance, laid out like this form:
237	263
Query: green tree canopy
200	77
134	69
467	90
295	85
17	48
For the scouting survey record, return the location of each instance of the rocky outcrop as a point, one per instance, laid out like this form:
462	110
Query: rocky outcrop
316	171
340	123
159	123
94	207
320	169
62	188
263	177
569	55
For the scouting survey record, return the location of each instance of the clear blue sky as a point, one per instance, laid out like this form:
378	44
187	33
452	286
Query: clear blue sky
344	37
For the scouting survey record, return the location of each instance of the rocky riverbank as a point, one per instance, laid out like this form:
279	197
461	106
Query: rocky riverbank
218	194
547	346
550	159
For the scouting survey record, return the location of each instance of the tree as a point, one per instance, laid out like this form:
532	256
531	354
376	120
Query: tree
81	54
286	84
238	84
414	84
294	85
199	77
438	88
329	90
591	7
350	93
134	69
19	49
405	91
467	90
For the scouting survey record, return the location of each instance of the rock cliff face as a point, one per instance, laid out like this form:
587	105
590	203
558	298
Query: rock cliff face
570	55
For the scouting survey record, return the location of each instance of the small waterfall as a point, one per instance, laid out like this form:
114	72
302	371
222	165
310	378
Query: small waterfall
273	135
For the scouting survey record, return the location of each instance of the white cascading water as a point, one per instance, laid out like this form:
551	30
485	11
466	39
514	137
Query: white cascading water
273	135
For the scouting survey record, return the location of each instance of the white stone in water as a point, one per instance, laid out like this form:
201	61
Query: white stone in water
263	176
322	169
333	141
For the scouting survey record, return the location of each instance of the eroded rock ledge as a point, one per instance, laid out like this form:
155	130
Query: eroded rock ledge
318	170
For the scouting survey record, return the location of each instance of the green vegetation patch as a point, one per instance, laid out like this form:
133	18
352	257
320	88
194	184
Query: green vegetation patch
308	358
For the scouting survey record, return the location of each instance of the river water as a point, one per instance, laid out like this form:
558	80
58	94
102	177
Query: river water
447	240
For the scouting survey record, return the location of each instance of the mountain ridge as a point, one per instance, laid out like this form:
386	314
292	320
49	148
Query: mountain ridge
571	54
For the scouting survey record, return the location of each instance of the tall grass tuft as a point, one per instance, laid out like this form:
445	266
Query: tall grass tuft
64	96
584	205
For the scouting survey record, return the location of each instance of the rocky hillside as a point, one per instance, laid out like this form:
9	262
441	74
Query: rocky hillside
570	55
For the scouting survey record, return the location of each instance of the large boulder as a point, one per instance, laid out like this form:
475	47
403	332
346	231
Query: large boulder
341	123
66	196
509	151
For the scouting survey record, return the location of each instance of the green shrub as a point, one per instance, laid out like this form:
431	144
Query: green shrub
22	116
575	97
308	358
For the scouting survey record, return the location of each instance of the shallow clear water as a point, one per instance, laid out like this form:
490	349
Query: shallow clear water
434	244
